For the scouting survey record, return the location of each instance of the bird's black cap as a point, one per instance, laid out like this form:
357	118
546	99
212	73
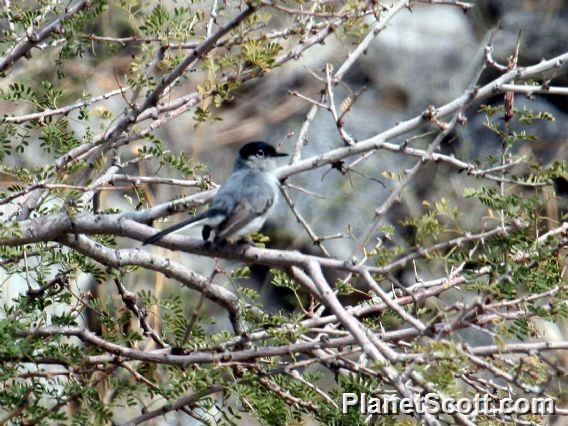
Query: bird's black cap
258	148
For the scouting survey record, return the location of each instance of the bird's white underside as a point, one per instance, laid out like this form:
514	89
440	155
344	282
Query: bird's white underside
250	228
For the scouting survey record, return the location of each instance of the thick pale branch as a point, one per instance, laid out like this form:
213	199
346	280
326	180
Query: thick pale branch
376	28
392	303
378	141
533	90
54	227
379	351
63	110
163	356
396	193
117	258
177	405
129	300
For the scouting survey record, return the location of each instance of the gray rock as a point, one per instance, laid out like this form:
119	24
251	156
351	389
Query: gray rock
426	55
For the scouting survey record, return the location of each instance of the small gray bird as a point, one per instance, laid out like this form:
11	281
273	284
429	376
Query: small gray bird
243	203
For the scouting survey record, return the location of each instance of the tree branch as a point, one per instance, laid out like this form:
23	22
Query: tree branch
32	39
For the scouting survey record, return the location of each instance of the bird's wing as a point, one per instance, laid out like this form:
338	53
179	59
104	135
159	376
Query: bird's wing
240	216
245	196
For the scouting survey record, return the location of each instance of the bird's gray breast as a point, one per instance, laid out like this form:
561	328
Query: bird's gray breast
256	190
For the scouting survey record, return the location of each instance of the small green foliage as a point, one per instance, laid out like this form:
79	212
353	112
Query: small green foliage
282	279
202	115
525	116
430	225
57	138
155	21
260	53
260	239
384	254
19	92
344	288
7	132
240	273
186	166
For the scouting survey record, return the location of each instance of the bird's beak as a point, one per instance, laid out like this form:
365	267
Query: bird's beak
281	154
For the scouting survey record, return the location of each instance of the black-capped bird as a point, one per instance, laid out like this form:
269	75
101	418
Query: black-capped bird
244	201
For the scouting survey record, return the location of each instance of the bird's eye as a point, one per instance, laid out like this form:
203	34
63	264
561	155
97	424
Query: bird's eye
260	154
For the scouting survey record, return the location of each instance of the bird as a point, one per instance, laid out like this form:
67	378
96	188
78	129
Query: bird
244	201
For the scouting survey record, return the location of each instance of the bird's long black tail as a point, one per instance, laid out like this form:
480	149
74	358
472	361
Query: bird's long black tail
182	224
